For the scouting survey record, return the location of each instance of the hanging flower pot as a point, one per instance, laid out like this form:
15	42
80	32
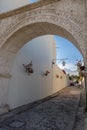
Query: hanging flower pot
46	73
57	76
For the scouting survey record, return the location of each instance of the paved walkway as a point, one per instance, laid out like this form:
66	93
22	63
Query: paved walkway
80	115
58	113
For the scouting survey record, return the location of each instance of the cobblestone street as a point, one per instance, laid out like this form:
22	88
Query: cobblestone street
57	113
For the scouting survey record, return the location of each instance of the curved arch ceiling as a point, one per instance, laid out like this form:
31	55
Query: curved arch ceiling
29	32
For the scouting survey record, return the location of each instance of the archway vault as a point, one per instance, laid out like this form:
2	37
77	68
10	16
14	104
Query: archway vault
27	33
63	24
13	44
20	37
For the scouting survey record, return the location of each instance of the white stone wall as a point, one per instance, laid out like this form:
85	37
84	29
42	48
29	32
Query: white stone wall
24	88
7	5
59	79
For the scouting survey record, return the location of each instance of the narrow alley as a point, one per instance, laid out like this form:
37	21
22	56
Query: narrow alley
58	112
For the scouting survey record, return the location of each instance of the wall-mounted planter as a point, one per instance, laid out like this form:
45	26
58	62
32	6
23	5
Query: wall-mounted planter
57	76
28	68
45	73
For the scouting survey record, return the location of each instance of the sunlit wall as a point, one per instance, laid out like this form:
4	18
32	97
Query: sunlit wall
7	5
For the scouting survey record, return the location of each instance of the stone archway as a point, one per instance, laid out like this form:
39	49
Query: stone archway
27	33
22	25
17	40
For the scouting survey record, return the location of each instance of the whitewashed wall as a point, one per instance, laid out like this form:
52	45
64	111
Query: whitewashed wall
23	88
59	79
7	5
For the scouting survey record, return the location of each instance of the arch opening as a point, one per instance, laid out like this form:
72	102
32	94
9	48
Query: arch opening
25	34
29	87
34	30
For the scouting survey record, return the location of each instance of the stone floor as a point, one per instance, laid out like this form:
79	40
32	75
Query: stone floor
85	121
57	113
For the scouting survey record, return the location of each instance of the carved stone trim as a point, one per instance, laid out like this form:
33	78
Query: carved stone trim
40	18
38	12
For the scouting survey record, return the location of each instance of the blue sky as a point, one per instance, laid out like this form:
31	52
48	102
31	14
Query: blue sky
31	1
66	49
